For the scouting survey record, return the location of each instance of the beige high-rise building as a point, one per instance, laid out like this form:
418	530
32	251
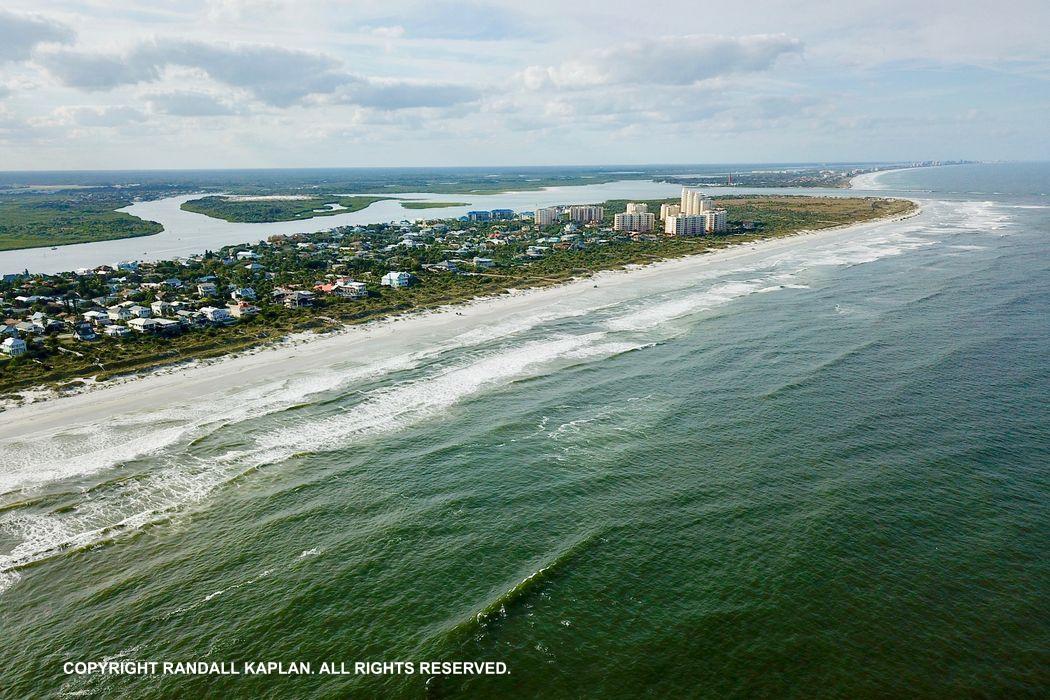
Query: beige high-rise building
667	210
710	221
546	216
586	213
637	208
686	225
640	222
716	220
694	202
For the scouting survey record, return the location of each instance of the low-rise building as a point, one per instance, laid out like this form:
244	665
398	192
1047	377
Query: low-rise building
242	309
13	347
142	325
243	293
216	314
397	279
161	308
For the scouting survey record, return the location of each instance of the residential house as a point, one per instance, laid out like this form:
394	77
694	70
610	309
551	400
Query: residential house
216	315
143	325
243	294
297	298
119	313
13	347
242	309
397	279
161	308
115	331
29	328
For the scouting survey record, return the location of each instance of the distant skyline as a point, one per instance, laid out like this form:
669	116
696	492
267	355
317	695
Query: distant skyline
95	84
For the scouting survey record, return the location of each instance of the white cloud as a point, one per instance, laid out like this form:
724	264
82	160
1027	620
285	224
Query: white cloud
20	34
272	74
401	94
394	32
276	76
680	60
189	104
92	116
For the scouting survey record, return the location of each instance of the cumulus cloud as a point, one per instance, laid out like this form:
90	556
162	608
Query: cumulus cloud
680	60
390	95
271	74
189	104
20	34
120	115
277	76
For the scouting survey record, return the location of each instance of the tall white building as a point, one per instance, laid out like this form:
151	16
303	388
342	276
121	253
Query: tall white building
667	210
547	216
686	225
716	220
586	213
640	222
693	202
710	221
637	208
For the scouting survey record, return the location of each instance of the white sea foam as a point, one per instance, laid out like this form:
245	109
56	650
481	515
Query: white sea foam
94	448
183	479
661	313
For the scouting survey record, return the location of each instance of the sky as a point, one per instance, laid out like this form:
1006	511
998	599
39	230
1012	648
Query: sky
103	84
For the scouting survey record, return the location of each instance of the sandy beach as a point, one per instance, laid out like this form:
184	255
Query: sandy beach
210	380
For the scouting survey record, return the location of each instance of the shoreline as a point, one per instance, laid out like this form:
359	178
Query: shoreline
194	379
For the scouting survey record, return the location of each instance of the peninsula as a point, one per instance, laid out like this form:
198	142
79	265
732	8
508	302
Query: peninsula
66	329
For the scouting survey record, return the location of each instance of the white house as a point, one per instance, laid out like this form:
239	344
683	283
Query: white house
139	311
143	325
397	279
166	325
116	331
216	315
348	289
242	309
99	318
29	328
245	293
13	347
161	308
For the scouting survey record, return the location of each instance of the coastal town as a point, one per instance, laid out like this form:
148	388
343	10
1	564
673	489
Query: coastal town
129	314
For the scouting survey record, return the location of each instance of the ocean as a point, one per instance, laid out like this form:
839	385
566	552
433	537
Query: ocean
817	470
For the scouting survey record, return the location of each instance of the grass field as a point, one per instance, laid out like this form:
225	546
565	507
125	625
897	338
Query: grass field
39	220
271	210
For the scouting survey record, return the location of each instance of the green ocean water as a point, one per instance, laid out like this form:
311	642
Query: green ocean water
818	472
